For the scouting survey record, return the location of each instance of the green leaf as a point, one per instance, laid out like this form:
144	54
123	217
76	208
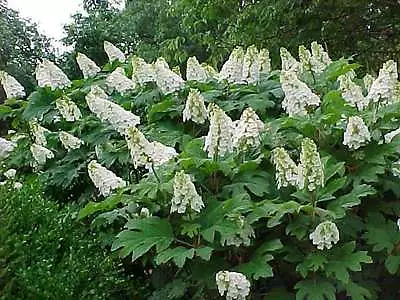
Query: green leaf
352	199
258	266
317	289
342	259
204	252
142	235
392	264
178	255
166	107
93	207
39	103
381	233
312	263
357	292
257	182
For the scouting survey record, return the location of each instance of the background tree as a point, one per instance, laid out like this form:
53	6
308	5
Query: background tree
21	45
210	29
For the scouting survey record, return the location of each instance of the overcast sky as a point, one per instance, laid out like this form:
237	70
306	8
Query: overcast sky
50	15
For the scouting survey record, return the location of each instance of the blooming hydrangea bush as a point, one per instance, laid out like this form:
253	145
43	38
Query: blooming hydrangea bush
242	183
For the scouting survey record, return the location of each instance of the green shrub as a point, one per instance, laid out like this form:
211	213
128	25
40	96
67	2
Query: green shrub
45	254
301	204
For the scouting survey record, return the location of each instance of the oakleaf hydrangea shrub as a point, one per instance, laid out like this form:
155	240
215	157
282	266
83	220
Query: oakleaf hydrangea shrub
243	183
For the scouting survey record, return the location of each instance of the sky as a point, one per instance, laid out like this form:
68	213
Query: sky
50	15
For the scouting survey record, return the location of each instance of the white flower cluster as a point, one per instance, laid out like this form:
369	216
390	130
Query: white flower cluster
316	60
113	52
48	74
195	108
286	168
68	109
245	67
311	170
298	96
11	86
69	141
167	80
40	155
38	132
356	134
107	111
118	81
145	153
142	71
235	285
233	67
289	63
10	173
247	130
324	235
219	139
6	147
87	66
194	71
319	59
368	80
242	236
105	180
383	89
185	194
352	92
396	168
251	65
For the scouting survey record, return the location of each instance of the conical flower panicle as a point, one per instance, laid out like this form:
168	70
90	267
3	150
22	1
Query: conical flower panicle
248	130
113	52
142	71
48	74
195	108
305	57
167	80
286	169
105	180
368	80
383	89
68	109
11	86
251	65
289	63
234	285
356	134
118	81
324	235
311	170
87	66
265	61
6	147
147	154
185	194
139	148
38	133
352	92
110	112
219	140
69	141
40	155
298	96
319	59
232	70
194	71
